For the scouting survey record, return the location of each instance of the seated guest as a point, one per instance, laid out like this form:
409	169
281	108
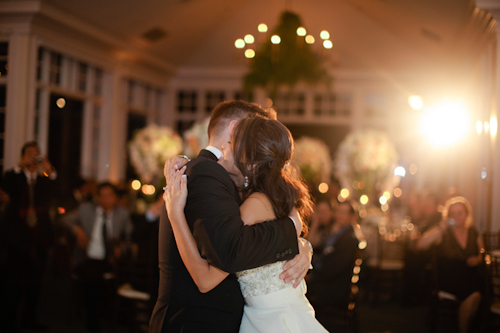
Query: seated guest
458	247
329	283
319	229
98	228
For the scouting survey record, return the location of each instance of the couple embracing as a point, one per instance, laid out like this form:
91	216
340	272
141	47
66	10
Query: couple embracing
229	254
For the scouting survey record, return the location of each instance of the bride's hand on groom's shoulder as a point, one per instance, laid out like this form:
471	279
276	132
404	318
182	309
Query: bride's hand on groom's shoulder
169	167
175	194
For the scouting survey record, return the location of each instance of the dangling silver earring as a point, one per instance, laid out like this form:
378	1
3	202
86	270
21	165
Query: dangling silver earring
246	182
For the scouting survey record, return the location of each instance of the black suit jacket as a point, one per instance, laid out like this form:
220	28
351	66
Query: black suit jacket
212	212
34	241
330	283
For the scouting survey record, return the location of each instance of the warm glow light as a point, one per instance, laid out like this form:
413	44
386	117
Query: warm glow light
268	103
249	53
239	43
136	184
249	39
479	126
148	189
61	210
310	39
344	193
397	192
387	195
400	171
355	279
410	226
413	168
327	44
385	207
361	185
416	102
301	31
446	124
362	245
61	102
484	173
382	200
356	269
493	126
363	213
262	27
275	39
486	127
363	199
340	198
323	188
324	34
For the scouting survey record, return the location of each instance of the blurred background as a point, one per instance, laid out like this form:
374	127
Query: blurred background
388	100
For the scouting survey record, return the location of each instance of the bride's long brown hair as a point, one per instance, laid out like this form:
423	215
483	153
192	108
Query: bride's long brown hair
262	150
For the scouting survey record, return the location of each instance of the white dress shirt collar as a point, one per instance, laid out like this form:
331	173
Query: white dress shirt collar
214	151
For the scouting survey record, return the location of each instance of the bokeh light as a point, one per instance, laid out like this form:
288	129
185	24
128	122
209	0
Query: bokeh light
323	188
363	199
262	27
413	168
446	124
397	192
416	102
61	102
400	171
249	39
340	198
301	31
136	184
275	39
239	43
310	39
344	193
327	44
479	126
382	200
249	53
324	34
493	126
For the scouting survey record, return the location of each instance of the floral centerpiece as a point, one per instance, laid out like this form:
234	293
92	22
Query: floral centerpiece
150	148
312	156
365	162
196	138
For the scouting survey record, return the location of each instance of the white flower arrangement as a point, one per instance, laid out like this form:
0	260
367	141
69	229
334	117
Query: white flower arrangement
312	156
367	157
150	148
196	138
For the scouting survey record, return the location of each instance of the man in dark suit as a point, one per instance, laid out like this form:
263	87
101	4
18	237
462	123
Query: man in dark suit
330	282
26	236
98	229
212	212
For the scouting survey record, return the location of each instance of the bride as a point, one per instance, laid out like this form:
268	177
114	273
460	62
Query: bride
258	161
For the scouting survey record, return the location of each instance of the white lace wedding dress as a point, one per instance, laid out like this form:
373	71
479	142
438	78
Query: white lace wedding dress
271	305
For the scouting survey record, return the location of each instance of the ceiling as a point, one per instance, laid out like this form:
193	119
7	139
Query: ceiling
382	35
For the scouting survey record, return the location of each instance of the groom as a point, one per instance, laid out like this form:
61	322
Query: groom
212	212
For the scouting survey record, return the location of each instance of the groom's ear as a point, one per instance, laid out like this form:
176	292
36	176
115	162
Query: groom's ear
232	125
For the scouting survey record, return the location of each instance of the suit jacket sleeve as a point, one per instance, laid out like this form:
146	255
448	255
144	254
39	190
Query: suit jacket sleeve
214	216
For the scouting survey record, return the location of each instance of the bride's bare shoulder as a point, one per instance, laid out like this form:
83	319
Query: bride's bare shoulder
257	208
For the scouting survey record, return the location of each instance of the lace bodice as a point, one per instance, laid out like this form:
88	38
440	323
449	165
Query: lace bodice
262	280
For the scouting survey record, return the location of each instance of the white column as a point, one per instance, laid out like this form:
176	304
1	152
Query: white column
20	84
493	6
112	130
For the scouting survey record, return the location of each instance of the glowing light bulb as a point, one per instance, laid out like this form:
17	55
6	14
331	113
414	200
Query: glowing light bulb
275	39
249	53
249	39
239	43
327	44
262	27
416	102
310	39
301	31
324	34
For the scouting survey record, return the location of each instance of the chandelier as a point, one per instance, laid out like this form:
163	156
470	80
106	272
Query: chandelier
286	55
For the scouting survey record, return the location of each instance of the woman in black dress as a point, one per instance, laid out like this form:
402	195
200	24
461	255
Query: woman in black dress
458	250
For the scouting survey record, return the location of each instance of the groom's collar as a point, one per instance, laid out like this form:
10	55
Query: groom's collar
214	151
